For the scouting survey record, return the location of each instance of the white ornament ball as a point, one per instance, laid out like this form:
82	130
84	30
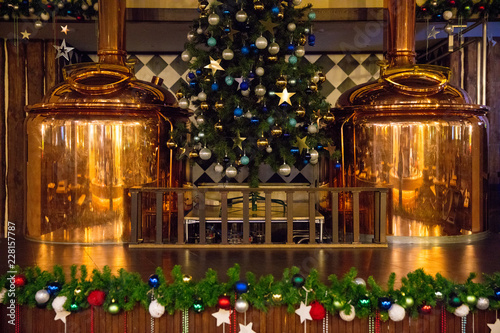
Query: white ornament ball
156	310
42	296
248	115
312	129
260	90
348	317
259	71
199	31
3	292
447	15
231	172
359	281
273	48
314	154
269	149
205	154
183	103
291	27
261	42
213	19
60	5
58	303
284	169
201	135
218	168
186	56
462	310
397	312
191	36
241	16
45	16
307	30
202	96
300	51
200	120
38	24
227	54
96	6
84	6
483	303
241	305
245	93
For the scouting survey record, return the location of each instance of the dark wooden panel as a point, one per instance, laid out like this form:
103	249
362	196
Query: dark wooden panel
35	71
2	137
15	133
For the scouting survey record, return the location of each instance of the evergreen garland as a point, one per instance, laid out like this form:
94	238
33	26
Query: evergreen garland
78	9
461	9
179	291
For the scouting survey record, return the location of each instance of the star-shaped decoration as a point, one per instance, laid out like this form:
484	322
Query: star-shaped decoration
302	144
214	4
238	141
222	317
495	327
231	34
26	34
63	50
285	97
432	33
246	328
304	312
241	79
331	149
492	41
214	65
65	29
269	25
61	315
185	150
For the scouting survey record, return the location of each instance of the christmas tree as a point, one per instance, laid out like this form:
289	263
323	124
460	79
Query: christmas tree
256	98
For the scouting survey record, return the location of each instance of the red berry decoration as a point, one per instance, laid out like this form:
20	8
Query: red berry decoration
426	309
224	302
317	311
96	298
19	280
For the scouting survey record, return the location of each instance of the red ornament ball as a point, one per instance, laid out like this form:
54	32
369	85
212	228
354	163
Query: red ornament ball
317	311
224	302
19	280
96	298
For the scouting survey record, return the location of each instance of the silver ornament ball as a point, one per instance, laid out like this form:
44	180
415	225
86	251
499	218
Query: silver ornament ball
96	6
231	172
297	2
241	16
186	56
291	27
85	6
269	149
314	154
248	115
300	51
201	135
60	5
245	93
447	15
260	90
313	161
202	96
218	168
213	19
483	303
45	16
359	281
312	129
199	31
292	82
307	30
227	54
38	24
241	305
205	154
191	36
315	78
200	120
284	169
259	71
273	48
184	103
261	42
42	296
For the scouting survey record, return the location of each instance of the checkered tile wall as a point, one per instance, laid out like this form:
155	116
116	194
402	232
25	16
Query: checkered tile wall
342	71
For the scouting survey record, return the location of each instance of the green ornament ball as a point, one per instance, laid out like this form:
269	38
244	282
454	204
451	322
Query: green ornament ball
298	281
338	305
471	299
74	307
364	302
409	302
198	306
113	308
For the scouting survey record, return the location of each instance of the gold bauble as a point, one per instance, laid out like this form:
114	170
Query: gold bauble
322	77
276	131
329	117
302	40
179	94
281	82
272	58
203	14
193	153
277	298
280	14
204	106
186	278
262	142
218	126
203	5
313	86
219	105
171	144
300	112
258	6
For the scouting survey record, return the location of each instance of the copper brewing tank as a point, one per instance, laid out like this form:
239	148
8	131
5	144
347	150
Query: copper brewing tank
414	132
93	137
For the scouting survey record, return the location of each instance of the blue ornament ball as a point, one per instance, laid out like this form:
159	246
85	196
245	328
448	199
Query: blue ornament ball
275	10
294	150
53	288
254	120
191	75
215	86
311	40
319	147
193	84
229	80
496	294
292	122
286	135
290	48
241	287
270	120
227	29
238	112
251	74
244	85
252	46
305	161
244	160
154	281
311	16
199	72
211	42
292	60
265	109
384	303
245	50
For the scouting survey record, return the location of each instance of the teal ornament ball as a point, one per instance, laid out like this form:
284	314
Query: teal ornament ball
311	15
229	80
292	60
244	160
211	42
298	281
292	122
270	120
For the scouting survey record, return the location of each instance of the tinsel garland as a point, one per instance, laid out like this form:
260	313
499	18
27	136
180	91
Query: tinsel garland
418	292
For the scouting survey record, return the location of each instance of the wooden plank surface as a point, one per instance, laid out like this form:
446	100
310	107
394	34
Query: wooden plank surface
2	137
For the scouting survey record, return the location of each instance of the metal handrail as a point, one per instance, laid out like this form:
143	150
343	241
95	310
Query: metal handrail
380	210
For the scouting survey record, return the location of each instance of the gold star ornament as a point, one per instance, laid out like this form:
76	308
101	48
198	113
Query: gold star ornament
301	143
26	34
238	141
214	65
285	97
64	29
269	25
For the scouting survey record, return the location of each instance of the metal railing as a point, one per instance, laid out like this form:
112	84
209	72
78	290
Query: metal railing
379	211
